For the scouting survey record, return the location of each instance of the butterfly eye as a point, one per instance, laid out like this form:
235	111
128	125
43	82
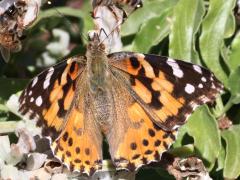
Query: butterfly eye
90	46
102	47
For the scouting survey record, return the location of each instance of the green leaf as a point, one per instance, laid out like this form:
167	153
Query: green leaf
234	85
10	86
213	34
232	162
221	159
180	135
183	151
148	37
202	126
235	54
149	10
230	27
225	54
186	22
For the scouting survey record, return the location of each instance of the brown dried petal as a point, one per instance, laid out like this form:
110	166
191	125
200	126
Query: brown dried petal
35	161
53	166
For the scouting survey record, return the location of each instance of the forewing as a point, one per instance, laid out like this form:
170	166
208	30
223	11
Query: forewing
167	89
134	139
49	96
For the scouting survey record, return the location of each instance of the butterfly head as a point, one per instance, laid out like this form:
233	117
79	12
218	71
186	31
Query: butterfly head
95	44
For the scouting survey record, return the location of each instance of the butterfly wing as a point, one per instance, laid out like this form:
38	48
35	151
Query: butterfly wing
49	95
134	139
168	90
57	99
80	144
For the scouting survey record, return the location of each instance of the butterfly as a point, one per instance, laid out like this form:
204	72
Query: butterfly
136	101
15	17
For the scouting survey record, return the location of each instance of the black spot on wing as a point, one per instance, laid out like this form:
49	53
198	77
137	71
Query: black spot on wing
70	142
133	146
145	142
151	132
65	136
157	143
72	67
77	150
77	160
134	62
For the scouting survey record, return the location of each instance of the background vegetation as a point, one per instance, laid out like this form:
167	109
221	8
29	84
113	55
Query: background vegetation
199	31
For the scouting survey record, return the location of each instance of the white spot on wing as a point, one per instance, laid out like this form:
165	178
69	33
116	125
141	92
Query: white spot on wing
48	77
197	68
189	88
204	79
35	80
200	85
211	78
30	93
175	67
213	86
32	99
39	101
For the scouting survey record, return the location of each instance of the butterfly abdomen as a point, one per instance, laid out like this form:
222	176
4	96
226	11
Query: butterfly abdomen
102	107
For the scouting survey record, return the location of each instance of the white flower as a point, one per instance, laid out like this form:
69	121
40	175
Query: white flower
59	47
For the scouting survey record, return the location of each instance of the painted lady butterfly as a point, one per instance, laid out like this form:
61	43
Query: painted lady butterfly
137	101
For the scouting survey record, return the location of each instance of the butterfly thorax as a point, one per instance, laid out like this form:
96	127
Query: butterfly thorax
97	66
98	80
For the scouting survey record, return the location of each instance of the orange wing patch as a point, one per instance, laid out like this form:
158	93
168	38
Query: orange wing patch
143	142
79	146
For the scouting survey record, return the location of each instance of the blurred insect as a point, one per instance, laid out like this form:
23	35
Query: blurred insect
15	17
116	12
130	5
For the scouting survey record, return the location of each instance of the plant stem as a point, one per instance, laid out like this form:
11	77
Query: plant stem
226	107
8	127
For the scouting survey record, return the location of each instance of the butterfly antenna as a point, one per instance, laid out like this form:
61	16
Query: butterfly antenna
67	20
119	24
107	35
